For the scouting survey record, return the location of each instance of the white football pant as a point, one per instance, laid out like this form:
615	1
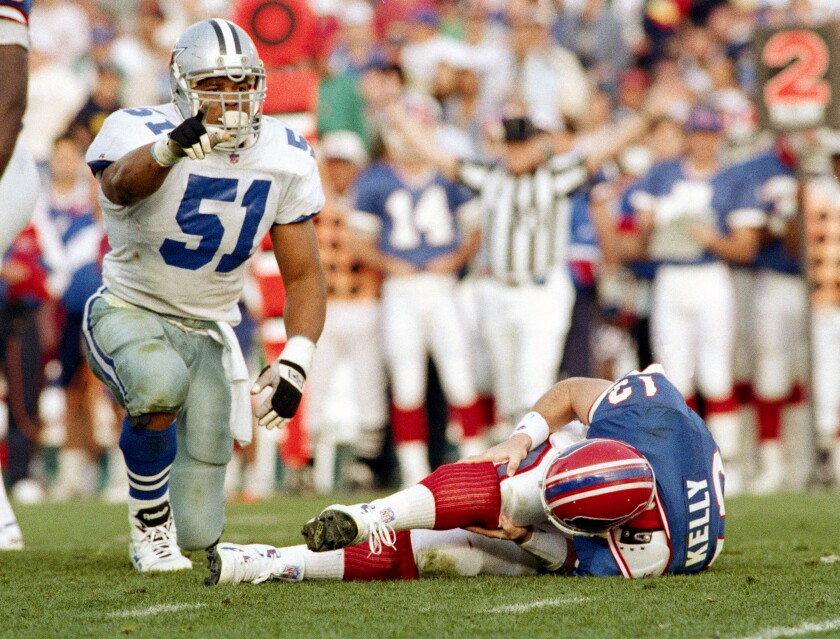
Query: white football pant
693	327
826	354
526	331
420	316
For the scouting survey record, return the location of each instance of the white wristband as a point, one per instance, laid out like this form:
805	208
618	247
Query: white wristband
535	426
300	350
162	154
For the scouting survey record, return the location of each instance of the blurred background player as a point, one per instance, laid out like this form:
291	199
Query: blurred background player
776	316
18	175
352	331
526	201
691	231
419	230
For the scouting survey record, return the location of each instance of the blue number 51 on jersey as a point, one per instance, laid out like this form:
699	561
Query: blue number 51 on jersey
209	227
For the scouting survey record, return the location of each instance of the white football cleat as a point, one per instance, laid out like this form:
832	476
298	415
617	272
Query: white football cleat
10	536
254	563
339	526
154	541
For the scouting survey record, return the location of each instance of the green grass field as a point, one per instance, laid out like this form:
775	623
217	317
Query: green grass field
74	580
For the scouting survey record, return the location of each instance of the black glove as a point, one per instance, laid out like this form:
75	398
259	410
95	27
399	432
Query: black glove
190	139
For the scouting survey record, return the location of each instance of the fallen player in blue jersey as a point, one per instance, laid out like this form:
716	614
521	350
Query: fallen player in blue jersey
560	495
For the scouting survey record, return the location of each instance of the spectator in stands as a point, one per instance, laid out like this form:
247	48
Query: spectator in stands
595	36
356	48
541	75
102	102
62	27
55	95
426	49
143	58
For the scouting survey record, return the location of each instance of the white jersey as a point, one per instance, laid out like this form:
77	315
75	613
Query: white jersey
181	250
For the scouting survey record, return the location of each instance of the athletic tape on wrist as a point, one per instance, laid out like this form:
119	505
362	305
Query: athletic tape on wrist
299	350
535	426
162	154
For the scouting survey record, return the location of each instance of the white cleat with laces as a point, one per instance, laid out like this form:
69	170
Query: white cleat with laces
339	526
254	563
154	541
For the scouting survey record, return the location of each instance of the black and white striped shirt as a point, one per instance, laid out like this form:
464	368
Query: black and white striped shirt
526	218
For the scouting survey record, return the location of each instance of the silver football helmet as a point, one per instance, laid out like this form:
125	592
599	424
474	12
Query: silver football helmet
219	48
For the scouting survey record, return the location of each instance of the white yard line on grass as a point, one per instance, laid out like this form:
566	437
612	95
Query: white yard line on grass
545	603
153	610
802	629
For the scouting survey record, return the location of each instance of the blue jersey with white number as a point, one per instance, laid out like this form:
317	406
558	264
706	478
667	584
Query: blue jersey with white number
673	194
416	223
646	411
646	269
181	250
768	184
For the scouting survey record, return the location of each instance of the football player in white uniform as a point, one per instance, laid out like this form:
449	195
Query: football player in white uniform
188	189
18	175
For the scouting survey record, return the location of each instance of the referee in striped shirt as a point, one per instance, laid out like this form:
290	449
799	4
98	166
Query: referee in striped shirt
526	200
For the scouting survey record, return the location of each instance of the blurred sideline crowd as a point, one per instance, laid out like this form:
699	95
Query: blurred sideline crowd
465	73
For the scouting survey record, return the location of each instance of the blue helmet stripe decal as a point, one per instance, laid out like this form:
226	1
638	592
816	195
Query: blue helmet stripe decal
601	479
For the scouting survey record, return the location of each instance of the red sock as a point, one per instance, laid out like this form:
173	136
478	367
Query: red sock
488	409
409	425
465	495
392	563
691	400
718	406
470	418
743	393
798	394
769	413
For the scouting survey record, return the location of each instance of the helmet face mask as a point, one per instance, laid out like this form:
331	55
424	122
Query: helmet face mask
219	49
596	485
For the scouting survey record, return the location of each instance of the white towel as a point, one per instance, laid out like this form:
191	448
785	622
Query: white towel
241	418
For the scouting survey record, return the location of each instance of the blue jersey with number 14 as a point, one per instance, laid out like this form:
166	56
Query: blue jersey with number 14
646	411
181	250
417	222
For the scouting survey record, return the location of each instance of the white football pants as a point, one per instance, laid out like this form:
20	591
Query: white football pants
826	354
352	334
420	317
779	334
526	330
693	327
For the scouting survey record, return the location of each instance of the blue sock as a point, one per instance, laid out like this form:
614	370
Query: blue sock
148	455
